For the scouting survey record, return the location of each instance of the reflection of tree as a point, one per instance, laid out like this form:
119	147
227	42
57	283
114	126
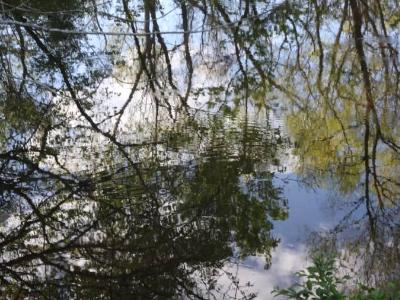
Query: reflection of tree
72	235
57	61
348	97
367	244
350	121
163	234
56	52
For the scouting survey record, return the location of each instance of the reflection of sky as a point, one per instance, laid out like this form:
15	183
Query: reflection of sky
285	262
309	210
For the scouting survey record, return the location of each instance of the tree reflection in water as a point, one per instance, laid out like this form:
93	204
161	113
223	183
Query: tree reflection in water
130	164
162	227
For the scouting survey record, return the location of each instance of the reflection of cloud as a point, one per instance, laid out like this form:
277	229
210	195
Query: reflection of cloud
286	260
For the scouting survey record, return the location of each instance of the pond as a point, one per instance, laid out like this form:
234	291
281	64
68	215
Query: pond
197	149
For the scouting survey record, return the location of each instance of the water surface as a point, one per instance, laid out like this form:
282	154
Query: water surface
196	149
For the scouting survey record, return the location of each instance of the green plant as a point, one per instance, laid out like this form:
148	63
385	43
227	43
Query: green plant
317	282
390	291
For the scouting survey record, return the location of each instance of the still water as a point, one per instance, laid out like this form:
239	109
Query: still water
196	149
